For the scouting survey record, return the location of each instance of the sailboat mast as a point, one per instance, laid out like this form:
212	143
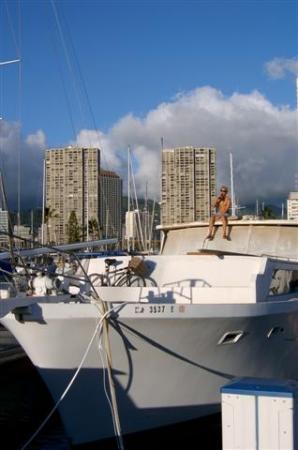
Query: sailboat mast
43	202
296	174
87	198
32	228
128	198
10	230
128	179
232	186
146	219
138	218
5	63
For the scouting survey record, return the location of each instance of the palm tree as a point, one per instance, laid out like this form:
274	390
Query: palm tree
50	214
268	213
73	228
94	228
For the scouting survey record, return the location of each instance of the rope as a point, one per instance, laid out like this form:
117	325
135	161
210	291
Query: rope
113	401
99	325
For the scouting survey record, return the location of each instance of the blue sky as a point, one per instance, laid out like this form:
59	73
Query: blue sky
135	56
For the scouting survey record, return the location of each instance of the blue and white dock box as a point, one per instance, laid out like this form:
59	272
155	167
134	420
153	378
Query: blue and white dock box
259	414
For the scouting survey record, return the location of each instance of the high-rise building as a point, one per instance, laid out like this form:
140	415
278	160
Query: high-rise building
71	185
292	206
4	228
110	204
188	184
24	232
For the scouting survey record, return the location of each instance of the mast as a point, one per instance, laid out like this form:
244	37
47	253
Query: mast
87	198
128	199
145	221
10	230
107	223
43	202
296	174
6	63
232	186
138	218
32	228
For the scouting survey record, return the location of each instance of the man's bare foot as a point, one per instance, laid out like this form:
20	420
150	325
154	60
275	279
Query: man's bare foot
209	237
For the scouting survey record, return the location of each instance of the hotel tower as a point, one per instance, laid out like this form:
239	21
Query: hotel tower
71	185
188	184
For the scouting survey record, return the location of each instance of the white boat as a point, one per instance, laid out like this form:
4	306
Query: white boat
209	312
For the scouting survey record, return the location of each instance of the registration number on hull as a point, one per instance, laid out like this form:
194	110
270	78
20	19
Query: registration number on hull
158	309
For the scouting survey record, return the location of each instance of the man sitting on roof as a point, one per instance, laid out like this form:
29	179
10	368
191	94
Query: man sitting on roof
222	205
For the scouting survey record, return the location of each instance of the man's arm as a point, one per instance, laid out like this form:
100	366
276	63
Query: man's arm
226	205
217	202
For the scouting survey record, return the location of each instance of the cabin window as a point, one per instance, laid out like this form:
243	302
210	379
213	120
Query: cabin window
283	282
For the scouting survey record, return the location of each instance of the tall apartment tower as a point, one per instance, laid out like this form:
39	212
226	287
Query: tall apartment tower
110	204
188	184
4	227
71	184
292	206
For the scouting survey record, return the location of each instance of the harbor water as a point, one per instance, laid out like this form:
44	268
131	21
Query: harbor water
25	402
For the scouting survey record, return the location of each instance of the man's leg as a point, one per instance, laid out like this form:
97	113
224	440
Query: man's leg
211	226
224	227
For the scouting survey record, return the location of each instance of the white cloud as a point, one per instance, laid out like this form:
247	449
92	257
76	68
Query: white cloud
279	67
36	140
29	152
261	136
95	138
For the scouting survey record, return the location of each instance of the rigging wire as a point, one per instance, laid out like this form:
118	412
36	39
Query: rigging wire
13	33
81	91
80	105
63	82
20	83
1	102
17	42
67	57
1	73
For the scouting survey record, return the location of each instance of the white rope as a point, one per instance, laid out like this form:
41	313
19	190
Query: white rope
100	348
100	322
112	398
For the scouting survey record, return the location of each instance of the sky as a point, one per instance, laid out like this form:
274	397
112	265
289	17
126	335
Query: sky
125	73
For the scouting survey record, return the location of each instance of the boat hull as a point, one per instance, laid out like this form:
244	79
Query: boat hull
168	365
